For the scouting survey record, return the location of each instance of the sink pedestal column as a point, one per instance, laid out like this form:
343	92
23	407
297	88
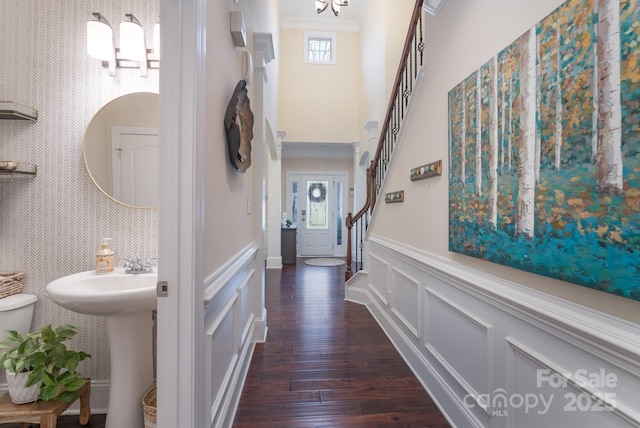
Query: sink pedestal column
131	341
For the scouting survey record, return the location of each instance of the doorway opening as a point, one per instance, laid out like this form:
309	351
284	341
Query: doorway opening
318	205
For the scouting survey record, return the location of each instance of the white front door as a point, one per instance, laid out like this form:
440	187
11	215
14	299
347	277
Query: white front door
135	165
317	205
315	229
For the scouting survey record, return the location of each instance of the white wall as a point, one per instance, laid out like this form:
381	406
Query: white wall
319	102
233	265
382	35
223	181
373	100
458	41
51	225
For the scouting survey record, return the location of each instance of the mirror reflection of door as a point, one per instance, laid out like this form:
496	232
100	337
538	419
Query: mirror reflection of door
318	204
135	165
135	110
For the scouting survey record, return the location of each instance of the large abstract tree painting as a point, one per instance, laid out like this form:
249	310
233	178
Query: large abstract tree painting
544	165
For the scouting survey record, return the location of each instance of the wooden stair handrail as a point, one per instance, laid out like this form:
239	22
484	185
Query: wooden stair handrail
417	10
371	171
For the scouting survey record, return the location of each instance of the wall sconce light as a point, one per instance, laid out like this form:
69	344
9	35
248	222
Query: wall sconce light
133	52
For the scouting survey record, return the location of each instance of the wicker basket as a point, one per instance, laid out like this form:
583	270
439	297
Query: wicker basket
149	408
11	283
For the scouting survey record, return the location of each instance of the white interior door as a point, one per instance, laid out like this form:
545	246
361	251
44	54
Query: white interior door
135	165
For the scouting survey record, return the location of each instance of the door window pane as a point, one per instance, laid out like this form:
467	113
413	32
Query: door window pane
339	214
317	206
294	203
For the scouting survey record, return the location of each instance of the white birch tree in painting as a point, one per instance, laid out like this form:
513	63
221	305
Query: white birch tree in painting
463	138
609	168
525	202
479	132
503	115
538	148
510	121
559	106
493	144
594	117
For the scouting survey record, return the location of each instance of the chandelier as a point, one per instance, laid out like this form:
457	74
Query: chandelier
321	5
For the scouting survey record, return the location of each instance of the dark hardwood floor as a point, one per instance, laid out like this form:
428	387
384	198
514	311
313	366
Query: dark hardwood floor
326	362
96	421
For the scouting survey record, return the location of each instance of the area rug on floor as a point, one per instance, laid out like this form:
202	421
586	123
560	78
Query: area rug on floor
324	261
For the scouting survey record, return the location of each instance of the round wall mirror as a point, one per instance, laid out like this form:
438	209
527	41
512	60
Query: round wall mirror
121	149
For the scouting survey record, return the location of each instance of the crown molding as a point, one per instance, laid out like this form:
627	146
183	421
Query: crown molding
312	24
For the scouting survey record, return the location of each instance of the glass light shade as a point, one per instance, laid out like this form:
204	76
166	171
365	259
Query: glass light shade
336	7
132	44
321	5
99	40
156	41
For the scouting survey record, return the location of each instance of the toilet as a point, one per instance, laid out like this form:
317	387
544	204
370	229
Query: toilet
16	312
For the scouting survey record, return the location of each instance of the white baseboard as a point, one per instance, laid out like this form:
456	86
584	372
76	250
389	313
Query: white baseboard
260	328
274	262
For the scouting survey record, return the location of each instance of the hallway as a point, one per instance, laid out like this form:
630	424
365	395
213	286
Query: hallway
326	363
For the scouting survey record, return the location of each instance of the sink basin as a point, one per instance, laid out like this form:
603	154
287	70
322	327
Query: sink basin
117	293
127	300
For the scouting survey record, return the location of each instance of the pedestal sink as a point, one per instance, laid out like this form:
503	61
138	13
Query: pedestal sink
127	301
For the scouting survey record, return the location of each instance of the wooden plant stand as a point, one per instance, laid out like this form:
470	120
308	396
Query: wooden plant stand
44	413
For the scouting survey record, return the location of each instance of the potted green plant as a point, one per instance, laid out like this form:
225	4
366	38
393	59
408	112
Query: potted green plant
42	358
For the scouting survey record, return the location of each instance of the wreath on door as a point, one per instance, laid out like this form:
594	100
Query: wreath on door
317	193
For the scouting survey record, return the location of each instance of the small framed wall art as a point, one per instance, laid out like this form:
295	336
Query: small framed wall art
394	197
425	171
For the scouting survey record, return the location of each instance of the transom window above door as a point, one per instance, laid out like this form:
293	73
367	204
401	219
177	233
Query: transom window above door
319	48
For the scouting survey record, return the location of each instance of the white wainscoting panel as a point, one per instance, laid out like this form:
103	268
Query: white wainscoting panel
405	295
463	344
540	392
229	333
489	344
222	353
379	278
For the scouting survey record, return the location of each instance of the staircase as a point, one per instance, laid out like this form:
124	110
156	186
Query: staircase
402	89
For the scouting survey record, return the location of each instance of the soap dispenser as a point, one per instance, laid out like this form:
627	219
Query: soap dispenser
104	258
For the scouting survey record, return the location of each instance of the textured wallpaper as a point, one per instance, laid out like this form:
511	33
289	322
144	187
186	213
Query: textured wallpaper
51	225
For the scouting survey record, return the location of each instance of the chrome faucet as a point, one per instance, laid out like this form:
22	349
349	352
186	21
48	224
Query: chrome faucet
138	266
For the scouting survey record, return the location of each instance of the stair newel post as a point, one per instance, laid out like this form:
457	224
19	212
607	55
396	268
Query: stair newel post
371	187
349	224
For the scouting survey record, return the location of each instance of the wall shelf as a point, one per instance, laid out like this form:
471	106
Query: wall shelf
16	111
16	169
